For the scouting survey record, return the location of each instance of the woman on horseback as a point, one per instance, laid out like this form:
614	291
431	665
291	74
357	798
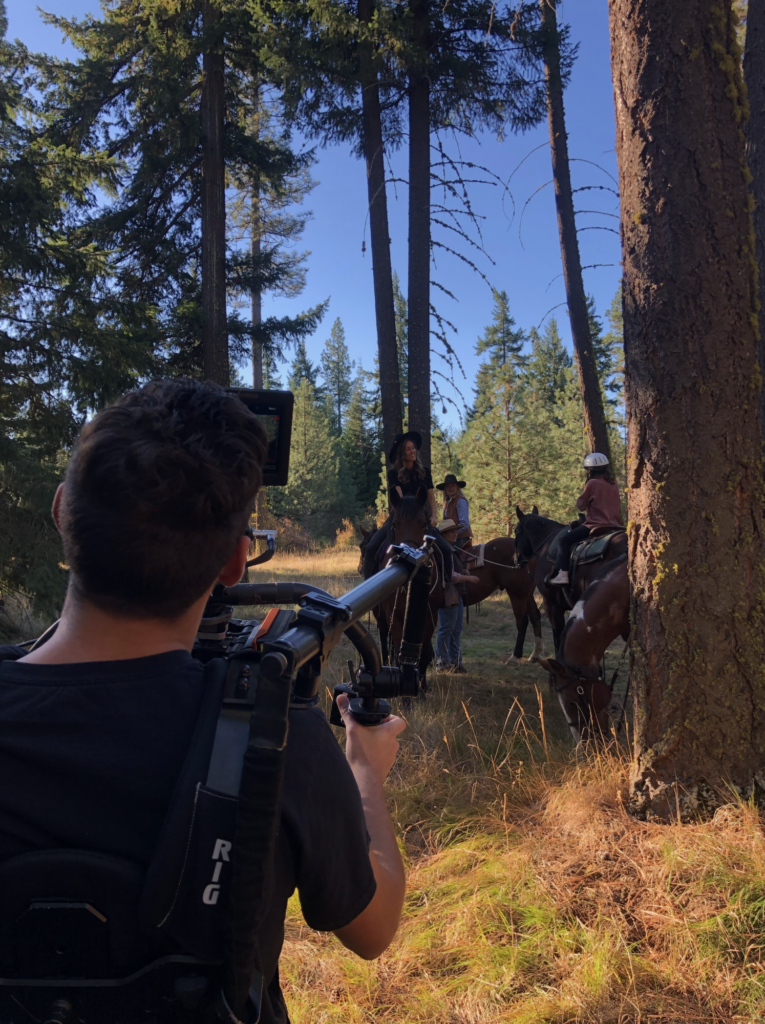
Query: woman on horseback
406	476
456	508
600	502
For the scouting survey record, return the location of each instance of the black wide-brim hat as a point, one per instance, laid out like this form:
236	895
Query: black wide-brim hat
399	439
450	478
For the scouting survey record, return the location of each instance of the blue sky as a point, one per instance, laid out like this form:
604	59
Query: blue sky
523	266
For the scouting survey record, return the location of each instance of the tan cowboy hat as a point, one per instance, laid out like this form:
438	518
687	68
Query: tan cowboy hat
447	524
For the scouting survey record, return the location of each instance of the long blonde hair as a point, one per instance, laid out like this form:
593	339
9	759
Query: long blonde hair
459	494
404	474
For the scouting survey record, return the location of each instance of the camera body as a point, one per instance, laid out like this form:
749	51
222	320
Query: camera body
274	410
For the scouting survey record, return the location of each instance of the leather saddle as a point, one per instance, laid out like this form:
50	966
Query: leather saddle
593	549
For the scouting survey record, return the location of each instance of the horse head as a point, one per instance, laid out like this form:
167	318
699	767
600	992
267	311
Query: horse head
584	697
524	545
410	517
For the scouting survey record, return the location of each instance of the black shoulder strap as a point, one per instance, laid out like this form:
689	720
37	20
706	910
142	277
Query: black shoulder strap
163	874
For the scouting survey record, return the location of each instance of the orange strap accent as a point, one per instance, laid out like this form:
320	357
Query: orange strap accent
265	625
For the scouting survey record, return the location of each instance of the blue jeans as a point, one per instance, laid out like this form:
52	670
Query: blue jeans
448	639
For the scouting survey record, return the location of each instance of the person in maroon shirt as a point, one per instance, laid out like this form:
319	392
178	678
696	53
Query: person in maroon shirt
600	503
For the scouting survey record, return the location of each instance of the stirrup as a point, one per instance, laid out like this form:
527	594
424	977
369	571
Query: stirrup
561	580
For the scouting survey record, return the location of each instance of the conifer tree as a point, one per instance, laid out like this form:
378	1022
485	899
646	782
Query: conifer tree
609	352
696	539
59	355
504	343
362	441
458	66
320	491
264	214
302	369
555	76
336	370
545	371
168	272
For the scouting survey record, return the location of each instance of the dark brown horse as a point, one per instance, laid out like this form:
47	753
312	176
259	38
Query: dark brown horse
596	620
499	572
533	536
410	519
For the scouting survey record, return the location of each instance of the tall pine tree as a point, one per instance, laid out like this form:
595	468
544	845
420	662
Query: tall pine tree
320	492
336	370
504	344
545	372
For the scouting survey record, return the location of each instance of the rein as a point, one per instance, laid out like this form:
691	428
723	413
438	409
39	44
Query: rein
523	562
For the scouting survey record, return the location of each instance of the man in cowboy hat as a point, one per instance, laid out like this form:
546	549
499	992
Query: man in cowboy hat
456	507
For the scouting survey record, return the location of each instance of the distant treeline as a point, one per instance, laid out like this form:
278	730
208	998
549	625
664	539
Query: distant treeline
521	443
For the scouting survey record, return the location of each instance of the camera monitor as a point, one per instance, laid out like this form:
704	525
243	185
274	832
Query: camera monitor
274	410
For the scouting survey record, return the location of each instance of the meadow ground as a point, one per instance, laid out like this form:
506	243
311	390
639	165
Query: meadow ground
533	896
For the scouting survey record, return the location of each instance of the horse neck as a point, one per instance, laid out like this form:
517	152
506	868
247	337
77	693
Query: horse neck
540	530
591	627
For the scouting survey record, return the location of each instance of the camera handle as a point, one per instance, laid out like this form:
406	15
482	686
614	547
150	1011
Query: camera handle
367	692
299	655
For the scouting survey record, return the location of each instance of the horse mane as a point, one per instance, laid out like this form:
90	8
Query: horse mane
409	509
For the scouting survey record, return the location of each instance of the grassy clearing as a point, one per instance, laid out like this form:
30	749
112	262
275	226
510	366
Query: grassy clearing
533	896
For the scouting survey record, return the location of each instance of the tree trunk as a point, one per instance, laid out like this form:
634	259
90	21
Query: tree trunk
692	395
419	237
214	333
382	271
754	77
592	397
256	293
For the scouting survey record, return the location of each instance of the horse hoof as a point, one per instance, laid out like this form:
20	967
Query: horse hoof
512	660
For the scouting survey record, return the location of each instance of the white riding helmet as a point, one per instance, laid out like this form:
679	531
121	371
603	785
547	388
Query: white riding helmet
595	461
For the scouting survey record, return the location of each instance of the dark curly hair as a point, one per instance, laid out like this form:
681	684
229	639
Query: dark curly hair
158	491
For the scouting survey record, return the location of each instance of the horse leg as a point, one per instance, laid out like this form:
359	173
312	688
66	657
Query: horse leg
521	625
534	614
557	621
381	616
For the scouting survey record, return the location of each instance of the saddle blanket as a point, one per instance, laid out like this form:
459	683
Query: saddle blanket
479	562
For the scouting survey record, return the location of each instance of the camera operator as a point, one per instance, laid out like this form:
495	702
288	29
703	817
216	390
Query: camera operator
95	724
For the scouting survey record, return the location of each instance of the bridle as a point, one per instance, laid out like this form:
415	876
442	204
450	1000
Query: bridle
522	562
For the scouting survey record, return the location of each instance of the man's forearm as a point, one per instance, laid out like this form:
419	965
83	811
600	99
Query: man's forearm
382	835
373	930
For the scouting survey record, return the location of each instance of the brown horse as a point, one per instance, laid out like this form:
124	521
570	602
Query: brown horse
596	620
533	536
499	572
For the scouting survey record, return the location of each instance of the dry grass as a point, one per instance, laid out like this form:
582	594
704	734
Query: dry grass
533	895
337	563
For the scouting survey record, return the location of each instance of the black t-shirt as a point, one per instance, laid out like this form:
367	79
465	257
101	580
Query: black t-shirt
89	757
411	485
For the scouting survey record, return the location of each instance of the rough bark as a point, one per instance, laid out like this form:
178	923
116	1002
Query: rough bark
754	78
692	393
382	271
213	111
592	397
418	297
